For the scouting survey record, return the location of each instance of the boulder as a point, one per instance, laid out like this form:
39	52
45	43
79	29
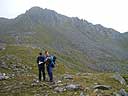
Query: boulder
119	78
3	65
59	89
102	87
34	84
2	48
3	76
82	94
116	94
67	76
59	81
122	92
73	87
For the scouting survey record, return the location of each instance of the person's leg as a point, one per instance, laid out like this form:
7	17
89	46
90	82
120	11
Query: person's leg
51	76
49	69
39	73
43	71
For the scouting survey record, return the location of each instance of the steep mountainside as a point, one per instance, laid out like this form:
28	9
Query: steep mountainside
80	43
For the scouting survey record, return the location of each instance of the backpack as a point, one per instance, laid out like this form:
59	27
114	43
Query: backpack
53	60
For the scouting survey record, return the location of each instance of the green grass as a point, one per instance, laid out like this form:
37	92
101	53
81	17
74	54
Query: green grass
26	56
20	85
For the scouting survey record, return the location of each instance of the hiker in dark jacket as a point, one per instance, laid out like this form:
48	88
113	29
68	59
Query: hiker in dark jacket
41	66
49	64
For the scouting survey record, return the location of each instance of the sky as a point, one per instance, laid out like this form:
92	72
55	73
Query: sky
109	13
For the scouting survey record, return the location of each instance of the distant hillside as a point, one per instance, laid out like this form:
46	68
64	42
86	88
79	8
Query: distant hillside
78	42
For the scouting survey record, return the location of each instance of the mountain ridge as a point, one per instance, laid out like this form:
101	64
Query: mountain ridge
103	48
38	9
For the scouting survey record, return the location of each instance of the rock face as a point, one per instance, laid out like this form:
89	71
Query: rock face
119	78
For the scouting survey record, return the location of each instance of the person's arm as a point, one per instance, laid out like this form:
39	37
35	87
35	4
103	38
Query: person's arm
45	59
37	60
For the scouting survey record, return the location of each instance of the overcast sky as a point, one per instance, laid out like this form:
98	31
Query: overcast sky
109	13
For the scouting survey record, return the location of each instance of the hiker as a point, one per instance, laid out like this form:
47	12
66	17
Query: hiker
49	63
41	66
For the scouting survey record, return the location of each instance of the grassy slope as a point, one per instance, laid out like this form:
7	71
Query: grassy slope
26	55
48	38
21	84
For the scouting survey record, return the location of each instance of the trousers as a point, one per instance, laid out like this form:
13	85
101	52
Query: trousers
41	68
49	70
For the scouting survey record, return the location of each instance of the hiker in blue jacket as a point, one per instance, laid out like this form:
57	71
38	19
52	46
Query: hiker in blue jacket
41	66
49	64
